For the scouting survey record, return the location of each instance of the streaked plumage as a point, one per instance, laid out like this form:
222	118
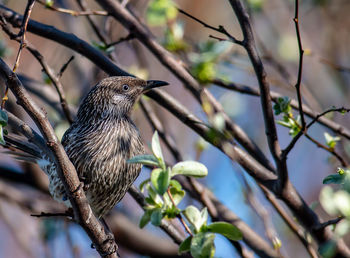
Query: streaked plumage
101	140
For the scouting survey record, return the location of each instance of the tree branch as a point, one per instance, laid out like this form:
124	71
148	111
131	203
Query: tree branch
284	187
289	194
335	127
48	70
65	169
220	28
265	98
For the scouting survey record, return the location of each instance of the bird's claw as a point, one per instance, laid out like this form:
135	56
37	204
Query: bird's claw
85	185
80	186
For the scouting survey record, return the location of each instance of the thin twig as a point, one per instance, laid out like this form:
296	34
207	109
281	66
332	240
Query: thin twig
179	216
101	36
262	212
64	67
297	229
220	28
318	144
331	222
300	70
157	125
328	149
337	67
166	225
72	12
44	214
128	37
317	117
335	127
47	69
217	38
22	32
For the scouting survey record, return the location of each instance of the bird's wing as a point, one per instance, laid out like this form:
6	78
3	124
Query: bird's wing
20	148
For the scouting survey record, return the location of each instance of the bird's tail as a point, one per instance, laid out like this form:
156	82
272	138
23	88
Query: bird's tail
21	149
20	143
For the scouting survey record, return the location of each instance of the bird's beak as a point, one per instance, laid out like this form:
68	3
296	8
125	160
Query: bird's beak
154	84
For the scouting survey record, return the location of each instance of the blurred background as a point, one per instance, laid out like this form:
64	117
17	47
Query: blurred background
325	36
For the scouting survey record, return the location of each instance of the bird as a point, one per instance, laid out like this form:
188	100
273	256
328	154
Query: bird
100	141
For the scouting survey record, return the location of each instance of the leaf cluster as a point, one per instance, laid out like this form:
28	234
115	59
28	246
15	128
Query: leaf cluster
337	203
283	106
165	193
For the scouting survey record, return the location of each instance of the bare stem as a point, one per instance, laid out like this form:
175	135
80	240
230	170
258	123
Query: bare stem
317	117
300	71
64	67
179	216
72	12
46	68
221	29
22	32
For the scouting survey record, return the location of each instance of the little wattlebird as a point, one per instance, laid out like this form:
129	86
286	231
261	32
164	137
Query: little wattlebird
100	141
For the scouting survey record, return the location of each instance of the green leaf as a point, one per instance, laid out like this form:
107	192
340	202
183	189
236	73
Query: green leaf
331	141
341	200
160	179
289	122
174	183
256	5
49	3
152	194
146	217
282	105
156	217
171	212
204	216
327	200
103	47
148	160
218	121
193	215
3	118
177	195
3	122
202	245
160	11
204	72
334	179
202	144
2	140
341	171
157	151
142	185
342	228
328	250
174	38
276	243
204	64
185	246
226	229
189	168
150	201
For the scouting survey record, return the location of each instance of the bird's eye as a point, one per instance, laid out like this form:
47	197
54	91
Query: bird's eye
125	87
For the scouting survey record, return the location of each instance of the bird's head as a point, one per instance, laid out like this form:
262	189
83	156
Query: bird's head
115	96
